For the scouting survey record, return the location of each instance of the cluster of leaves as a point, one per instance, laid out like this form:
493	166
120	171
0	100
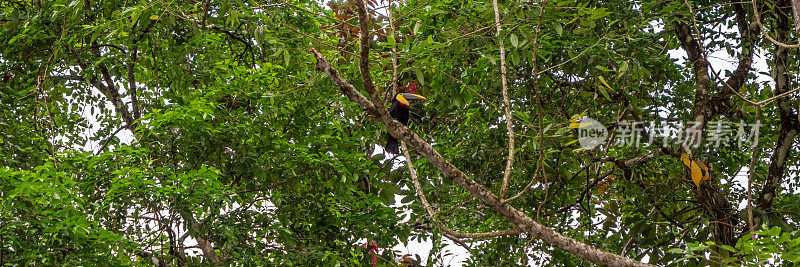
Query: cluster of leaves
769	246
237	143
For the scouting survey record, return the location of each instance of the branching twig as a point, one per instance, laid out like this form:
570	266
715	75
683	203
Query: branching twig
105	142
506	103
394	50
765	33
754	151
365	38
572	58
425	204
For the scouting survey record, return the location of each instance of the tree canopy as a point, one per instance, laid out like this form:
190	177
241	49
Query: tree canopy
251	132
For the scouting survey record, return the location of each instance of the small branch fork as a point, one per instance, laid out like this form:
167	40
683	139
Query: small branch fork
795	6
424	201
506	103
417	185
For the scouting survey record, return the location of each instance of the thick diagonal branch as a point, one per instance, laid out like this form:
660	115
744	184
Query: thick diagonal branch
721	103
403	133
517	217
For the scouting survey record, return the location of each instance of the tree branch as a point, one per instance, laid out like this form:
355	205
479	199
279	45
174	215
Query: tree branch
519	218
788	120
697	57
109	90
765	33
131	69
506	102
431	213
364	39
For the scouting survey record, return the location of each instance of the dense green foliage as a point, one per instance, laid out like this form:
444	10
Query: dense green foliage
135	132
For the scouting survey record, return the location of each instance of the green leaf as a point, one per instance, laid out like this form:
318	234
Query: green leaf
491	59
793	257
603	80
420	77
387	197
602	89
571	142
603	68
728	248
622	69
676	250
514	40
774	231
134	18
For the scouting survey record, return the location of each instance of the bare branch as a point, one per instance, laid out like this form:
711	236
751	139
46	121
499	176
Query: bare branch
109	90
364	39
506	103
394	51
424	201
751	169
789	124
698	58
765	33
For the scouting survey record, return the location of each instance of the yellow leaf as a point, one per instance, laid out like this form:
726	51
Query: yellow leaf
603	80
699	170
154	17
686	160
704	168
572	142
575	125
697	174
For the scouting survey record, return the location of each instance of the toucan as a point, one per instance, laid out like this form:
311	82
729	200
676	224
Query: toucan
400	111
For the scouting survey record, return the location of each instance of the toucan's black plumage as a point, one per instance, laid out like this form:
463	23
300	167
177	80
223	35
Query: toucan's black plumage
400	111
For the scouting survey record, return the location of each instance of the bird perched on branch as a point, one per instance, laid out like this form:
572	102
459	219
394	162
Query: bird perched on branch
400	111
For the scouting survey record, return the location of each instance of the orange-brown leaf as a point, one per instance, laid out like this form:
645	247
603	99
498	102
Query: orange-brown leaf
698	169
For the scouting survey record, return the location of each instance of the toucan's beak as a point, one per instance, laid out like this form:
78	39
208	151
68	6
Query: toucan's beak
409	96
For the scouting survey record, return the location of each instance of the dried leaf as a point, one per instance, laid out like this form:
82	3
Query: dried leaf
698	169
